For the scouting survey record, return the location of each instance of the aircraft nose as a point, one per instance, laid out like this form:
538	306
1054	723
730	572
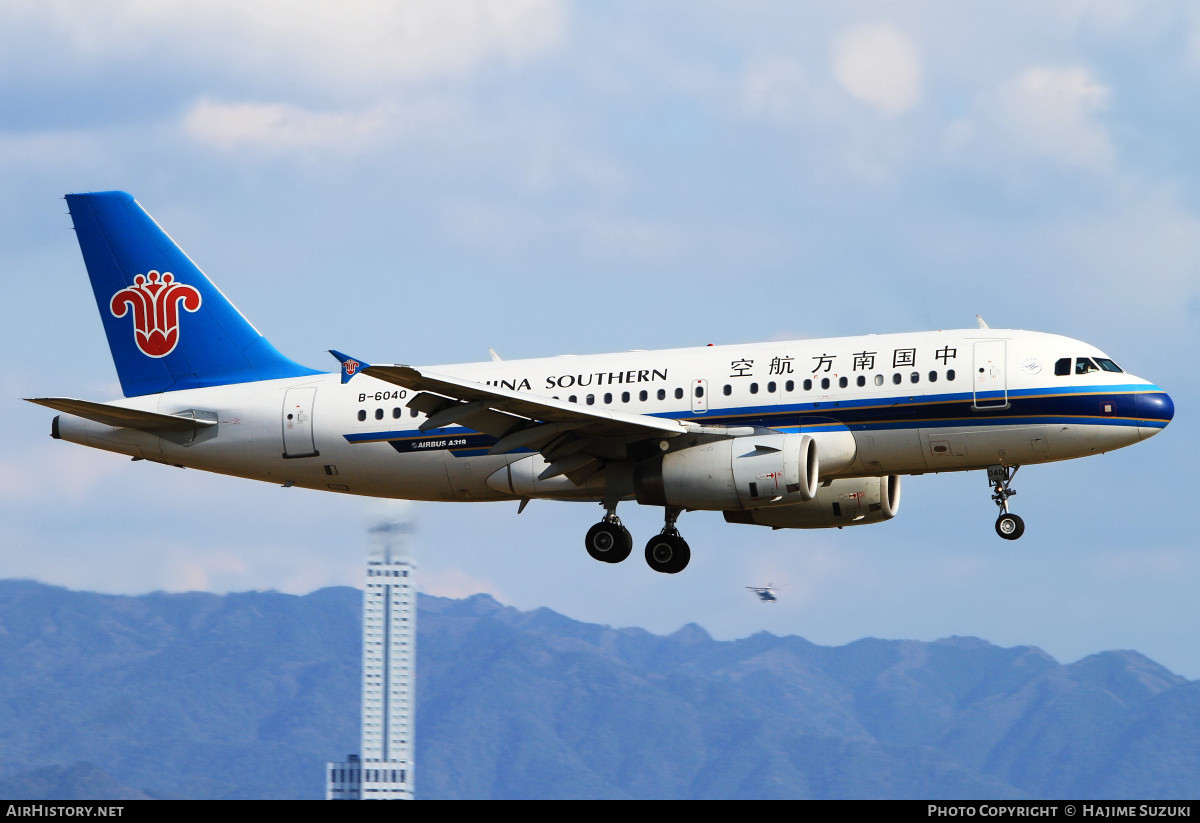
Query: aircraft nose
1154	412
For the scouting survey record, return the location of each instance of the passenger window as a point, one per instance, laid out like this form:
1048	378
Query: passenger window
412	412
662	394
753	388
642	395
624	397
1062	367
1084	365
699	391
879	380
843	382
896	378
771	387
789	386
950	374
679	394
607	398
728	390
591	399
824	382
573	398
915	377
362	415
379	414
808	385
396	412
861	381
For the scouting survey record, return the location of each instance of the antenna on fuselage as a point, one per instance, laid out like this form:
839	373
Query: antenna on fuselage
981	322
495	357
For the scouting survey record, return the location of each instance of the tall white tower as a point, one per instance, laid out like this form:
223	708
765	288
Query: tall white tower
384	771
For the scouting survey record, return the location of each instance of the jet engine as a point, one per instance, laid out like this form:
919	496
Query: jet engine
731	473
852	501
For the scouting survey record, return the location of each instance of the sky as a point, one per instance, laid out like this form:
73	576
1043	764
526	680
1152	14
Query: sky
417	182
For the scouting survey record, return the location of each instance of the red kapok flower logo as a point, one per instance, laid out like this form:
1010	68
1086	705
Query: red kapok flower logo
154	300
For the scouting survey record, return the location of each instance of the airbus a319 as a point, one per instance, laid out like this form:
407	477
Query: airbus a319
790	435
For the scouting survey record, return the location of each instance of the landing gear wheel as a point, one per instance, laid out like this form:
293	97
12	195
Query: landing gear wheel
1010	526
668	553
609	542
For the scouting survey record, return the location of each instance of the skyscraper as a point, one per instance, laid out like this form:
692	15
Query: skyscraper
384	770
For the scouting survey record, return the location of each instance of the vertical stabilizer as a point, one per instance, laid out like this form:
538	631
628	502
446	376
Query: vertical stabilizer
168	326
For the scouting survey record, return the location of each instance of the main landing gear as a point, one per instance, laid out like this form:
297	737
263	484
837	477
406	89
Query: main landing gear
667	552
610	542
1008	525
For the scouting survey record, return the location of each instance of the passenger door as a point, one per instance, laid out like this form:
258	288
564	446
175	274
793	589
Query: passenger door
989	376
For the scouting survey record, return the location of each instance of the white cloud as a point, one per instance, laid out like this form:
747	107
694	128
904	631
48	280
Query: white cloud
52	150
1041	115
774	87
329	44
71	475
1053	113
880	66
280	126
1147	251
456	583
505	229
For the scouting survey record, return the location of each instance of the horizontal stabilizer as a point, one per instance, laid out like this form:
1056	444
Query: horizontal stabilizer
123	418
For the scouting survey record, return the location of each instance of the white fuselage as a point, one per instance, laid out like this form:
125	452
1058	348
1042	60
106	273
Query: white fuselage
928	402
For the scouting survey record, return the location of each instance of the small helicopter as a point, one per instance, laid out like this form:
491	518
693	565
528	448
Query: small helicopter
766	593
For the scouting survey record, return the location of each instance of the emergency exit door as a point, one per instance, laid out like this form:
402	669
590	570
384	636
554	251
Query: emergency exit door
298	423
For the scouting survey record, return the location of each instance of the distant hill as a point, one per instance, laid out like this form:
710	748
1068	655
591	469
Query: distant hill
247	695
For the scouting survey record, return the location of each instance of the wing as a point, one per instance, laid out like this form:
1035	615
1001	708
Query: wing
575	440
120	417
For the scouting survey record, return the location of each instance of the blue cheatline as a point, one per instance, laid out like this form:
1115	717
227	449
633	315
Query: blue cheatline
168	326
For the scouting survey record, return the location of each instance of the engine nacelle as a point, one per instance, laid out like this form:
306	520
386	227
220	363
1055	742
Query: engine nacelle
731	473
853	501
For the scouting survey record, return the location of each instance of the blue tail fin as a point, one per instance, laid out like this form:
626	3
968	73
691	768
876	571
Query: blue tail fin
168	326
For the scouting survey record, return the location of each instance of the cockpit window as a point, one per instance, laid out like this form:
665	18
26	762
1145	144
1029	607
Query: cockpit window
1108	365
1062	366
1083	365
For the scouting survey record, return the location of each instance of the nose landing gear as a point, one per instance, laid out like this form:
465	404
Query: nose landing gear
667	552
1008	525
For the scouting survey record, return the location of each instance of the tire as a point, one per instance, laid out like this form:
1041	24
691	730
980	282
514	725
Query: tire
625	548
608	543
1010	526
668	553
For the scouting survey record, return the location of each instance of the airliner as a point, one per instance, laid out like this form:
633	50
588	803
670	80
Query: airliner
802	434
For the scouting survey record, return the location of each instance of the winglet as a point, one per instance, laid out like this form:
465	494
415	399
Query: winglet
350	366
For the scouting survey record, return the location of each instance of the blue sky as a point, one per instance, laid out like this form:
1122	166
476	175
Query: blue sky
416	182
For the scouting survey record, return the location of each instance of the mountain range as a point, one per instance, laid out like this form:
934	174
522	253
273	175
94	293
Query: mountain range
247	695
